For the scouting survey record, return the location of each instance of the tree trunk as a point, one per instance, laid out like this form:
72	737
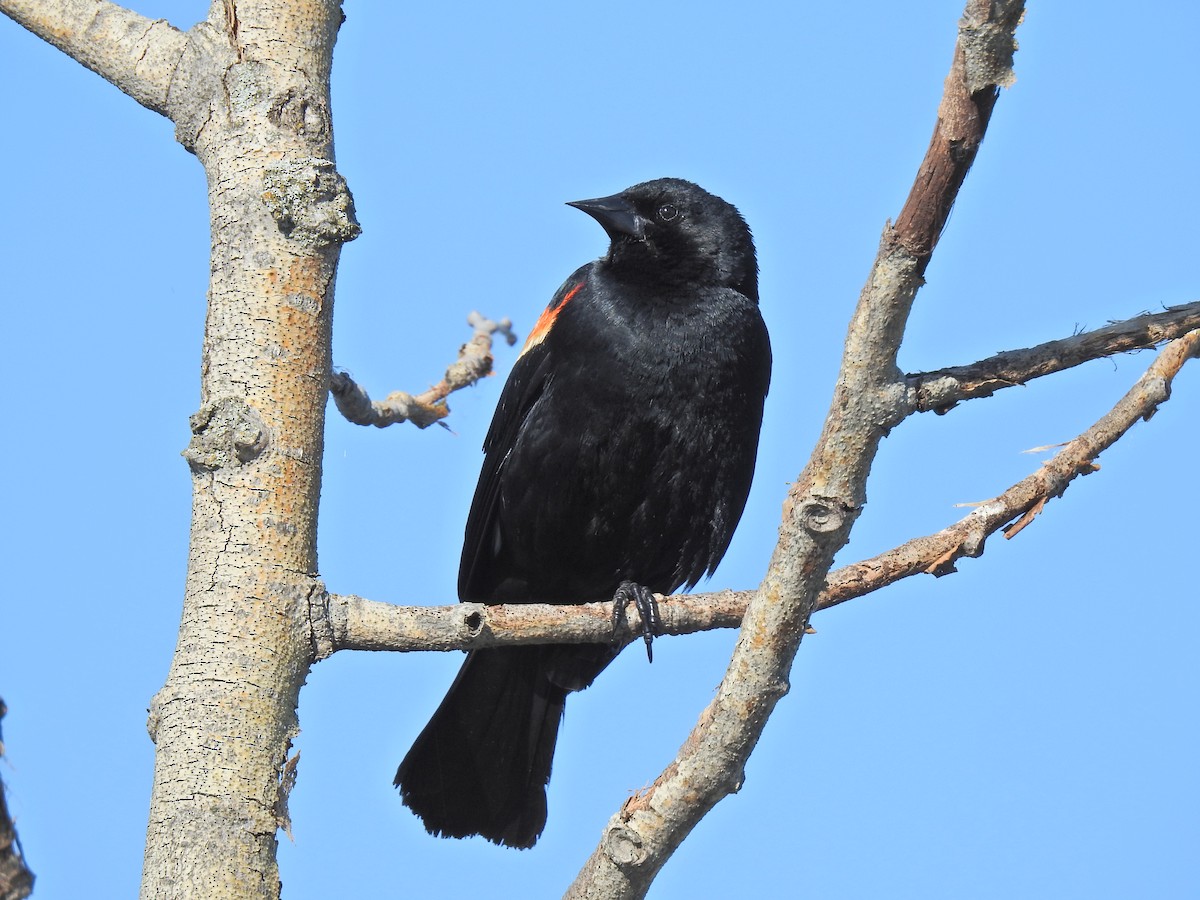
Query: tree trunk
224	720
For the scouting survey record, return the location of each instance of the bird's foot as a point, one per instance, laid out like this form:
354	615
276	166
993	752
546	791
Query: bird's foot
647	607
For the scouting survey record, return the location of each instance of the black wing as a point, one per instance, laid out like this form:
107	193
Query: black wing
484	567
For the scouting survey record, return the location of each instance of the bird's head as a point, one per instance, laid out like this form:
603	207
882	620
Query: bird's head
674	232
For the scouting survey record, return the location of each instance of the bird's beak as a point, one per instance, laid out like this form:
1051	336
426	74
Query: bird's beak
615	214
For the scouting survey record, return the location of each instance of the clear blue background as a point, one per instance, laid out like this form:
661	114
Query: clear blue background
1025	728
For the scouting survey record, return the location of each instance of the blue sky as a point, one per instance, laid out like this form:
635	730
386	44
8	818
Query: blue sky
1026	727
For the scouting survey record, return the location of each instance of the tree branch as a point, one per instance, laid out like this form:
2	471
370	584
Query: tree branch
137	54
825	500
474	362
348	622
936	554
942	389
16	881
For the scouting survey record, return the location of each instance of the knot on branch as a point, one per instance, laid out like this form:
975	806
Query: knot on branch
226	433
300	112
310	202
473	620
624	846
822	518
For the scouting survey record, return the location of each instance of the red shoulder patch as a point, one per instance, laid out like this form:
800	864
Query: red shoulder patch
545	321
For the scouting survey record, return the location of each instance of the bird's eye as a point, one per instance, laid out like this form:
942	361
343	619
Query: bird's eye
667	212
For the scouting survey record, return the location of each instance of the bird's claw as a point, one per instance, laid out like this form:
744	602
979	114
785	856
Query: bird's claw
647	607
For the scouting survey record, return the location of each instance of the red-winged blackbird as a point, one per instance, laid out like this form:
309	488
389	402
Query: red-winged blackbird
621	451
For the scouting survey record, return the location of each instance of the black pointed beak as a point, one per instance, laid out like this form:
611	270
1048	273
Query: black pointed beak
615	214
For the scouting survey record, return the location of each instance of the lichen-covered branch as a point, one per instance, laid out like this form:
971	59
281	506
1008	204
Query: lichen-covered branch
137	54
940	390
474	362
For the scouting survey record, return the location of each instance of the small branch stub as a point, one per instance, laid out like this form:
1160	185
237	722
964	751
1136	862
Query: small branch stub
310	202
226	433
624	846
822	518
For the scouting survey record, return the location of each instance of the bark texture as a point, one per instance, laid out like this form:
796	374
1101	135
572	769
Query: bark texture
136	54
254	108
248	92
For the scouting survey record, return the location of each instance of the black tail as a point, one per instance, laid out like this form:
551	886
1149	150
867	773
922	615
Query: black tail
482	763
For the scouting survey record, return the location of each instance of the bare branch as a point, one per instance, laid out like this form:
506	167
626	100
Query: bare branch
137	54
474	362
354	623
942	389
347	622
16	881
936	554
824	502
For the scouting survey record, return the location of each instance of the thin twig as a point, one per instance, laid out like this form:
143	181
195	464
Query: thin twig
940	390
936	554
474	362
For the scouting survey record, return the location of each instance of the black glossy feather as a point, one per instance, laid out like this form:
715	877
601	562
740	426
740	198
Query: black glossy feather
622	448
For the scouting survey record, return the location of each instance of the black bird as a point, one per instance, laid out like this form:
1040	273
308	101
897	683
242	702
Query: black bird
617	463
